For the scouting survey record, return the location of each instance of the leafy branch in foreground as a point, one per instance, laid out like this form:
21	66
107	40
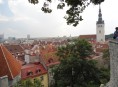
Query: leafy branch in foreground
76	8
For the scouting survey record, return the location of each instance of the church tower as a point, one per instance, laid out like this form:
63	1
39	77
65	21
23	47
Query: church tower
100	36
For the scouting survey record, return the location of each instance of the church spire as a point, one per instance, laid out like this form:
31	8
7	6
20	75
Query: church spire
100	21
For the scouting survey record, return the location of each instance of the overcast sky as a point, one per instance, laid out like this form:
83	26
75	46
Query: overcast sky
19	18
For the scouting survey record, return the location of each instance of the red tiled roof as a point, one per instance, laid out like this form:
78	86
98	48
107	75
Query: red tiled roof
88	36
26	46
48	55
14	48
8	64
51	64
101	47
32	68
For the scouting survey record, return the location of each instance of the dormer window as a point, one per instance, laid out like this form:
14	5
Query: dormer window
10	49
50	60
29	73
38	71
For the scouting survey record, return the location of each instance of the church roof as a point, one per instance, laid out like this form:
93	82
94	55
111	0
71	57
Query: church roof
92	36
8	64
100	21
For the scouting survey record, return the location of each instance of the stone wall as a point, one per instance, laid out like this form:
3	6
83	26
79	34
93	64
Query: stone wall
113	49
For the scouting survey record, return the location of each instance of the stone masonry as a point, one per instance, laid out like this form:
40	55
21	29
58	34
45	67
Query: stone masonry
113	49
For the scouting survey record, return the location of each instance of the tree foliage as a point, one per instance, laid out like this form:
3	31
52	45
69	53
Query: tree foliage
76	71
106	57
77	48
106	54
76	7
28	83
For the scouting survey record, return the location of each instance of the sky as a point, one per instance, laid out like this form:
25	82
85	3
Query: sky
19	18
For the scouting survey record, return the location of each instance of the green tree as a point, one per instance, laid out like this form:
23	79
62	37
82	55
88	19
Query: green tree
37	83
28	83
77	48
76	7
104	75
106	57
74	69
76	72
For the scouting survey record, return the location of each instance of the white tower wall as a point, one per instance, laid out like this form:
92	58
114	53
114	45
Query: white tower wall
100	33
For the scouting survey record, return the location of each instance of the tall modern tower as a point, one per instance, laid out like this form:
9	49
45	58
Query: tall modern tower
100	36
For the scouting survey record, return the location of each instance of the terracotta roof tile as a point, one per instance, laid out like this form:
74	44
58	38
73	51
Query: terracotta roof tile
101	47
14	48
8	64
88	36
32	68
47	56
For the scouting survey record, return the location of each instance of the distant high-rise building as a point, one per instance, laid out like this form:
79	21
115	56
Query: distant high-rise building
11	38
28	36
100	36
1	37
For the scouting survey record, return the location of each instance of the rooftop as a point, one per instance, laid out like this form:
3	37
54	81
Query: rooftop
9	65
32	70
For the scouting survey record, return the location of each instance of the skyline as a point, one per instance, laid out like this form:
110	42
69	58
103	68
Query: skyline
19	18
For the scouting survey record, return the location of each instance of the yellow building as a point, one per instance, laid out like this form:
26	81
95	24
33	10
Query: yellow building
35	71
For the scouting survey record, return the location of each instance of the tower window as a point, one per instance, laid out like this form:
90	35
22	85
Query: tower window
99	25
99	31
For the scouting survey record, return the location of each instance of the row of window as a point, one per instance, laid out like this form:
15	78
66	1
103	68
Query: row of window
31	73
99	25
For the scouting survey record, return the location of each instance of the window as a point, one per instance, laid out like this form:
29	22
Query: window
50	60
100	31
41	77
99	25
10	49
38	70
29	73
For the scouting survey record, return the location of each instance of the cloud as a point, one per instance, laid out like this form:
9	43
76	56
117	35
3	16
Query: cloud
1	1
4	9
3	18
29	19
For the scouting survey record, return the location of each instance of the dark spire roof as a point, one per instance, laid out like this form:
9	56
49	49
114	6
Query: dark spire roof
100	21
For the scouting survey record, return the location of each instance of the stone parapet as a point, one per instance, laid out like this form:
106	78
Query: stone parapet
113	49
